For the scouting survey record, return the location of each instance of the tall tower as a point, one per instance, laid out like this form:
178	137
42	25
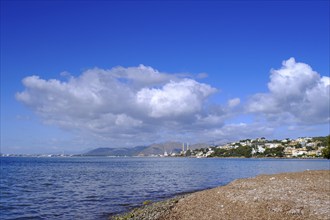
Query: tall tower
182	147
187	146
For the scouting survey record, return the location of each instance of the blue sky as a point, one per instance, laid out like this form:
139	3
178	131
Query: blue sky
82	74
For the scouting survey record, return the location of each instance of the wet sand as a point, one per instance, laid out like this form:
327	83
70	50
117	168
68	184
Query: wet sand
302	195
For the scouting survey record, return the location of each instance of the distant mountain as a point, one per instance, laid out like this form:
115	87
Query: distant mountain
153	149
169	147
115	151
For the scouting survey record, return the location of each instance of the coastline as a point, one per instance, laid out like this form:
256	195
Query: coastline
298	195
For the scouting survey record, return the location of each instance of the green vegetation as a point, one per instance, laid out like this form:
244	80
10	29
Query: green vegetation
188	153
147	202
323	141
246	151
326	151
274	152
240	151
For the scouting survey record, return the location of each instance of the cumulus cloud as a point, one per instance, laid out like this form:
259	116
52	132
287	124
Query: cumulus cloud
175	98
134	102
296	94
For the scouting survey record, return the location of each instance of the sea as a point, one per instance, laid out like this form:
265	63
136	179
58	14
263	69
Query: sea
96	187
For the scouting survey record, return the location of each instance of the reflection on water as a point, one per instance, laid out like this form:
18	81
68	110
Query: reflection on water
92	188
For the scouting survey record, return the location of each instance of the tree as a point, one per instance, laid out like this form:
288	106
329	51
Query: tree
219	152
274	152
244	151
309	148
326	150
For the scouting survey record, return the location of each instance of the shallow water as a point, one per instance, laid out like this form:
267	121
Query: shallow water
94	187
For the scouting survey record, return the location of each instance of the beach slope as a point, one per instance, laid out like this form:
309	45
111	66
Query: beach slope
302	195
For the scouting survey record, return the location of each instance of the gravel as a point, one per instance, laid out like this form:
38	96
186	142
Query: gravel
303	195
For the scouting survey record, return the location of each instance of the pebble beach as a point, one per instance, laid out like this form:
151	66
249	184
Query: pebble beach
300	195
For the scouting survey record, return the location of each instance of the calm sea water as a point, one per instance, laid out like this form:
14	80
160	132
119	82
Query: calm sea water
93	188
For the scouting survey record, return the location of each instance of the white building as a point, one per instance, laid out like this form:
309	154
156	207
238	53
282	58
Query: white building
272	145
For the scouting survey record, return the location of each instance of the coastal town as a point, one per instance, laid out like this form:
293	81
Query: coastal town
304	147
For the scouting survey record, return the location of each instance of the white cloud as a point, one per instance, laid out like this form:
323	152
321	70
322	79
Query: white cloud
202	75
175	98
136	102
140	105
244	130
234	102
296	92
141	75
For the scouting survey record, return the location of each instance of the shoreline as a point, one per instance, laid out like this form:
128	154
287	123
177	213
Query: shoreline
102	156
296	195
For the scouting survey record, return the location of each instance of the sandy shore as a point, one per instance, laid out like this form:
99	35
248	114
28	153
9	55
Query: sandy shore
303	195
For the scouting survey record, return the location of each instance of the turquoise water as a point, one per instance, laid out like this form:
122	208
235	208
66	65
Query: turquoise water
95	187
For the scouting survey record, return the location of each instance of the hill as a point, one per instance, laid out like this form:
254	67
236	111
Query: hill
115	151
153	149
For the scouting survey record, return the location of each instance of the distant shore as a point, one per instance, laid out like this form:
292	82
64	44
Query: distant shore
300	195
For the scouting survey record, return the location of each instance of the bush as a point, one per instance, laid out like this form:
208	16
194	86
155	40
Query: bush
147	202
326	152
274	152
